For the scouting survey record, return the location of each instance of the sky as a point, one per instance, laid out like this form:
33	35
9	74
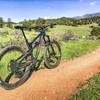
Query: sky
19	10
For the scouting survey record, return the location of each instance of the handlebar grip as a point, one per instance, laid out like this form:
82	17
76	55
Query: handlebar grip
21	27
17	27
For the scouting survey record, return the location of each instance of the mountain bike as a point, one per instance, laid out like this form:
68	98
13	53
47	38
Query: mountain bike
16	64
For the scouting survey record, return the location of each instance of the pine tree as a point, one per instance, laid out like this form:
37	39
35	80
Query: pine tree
9	23
1	22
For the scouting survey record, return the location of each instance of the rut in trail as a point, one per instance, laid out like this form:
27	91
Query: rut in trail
58	83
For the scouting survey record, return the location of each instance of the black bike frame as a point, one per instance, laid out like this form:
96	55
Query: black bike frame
41	35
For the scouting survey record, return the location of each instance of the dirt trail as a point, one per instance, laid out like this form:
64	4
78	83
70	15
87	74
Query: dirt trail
58	83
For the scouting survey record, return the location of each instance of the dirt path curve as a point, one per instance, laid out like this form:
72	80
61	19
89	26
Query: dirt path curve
58	83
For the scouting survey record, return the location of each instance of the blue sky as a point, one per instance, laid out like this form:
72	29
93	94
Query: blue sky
19	10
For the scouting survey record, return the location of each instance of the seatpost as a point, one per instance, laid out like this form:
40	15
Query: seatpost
25	39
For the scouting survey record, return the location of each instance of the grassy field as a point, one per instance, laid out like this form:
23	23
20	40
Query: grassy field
70	50
78	30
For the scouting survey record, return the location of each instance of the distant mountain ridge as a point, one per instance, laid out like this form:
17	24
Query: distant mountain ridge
88	15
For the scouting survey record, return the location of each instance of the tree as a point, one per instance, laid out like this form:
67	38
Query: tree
40	21
9	23
27	23
1	22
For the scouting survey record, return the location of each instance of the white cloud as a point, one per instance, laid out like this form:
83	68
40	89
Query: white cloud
47	17
93	3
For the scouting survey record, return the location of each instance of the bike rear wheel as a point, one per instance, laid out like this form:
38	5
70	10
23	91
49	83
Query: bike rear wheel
52	54
12	77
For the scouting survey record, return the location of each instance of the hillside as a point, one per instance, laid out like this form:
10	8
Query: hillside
91	15
88	15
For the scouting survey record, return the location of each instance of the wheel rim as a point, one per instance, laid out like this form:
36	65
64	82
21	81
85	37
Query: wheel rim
53	54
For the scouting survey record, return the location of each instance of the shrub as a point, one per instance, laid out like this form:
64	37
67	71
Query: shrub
91	26
75	25
95	31
69	35
58	35
65	36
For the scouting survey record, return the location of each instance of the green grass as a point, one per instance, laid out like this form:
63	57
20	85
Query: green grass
79	30
5	61
90	90
72	49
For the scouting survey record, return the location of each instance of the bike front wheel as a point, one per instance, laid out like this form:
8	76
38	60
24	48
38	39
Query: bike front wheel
11	75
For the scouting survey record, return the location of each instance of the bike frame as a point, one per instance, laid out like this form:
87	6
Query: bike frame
42	35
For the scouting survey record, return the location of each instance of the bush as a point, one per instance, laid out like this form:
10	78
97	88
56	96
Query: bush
65	36
91	26
69	35
95	31
58	35
75	25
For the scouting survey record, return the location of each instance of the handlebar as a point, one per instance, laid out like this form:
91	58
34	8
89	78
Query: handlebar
36	27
